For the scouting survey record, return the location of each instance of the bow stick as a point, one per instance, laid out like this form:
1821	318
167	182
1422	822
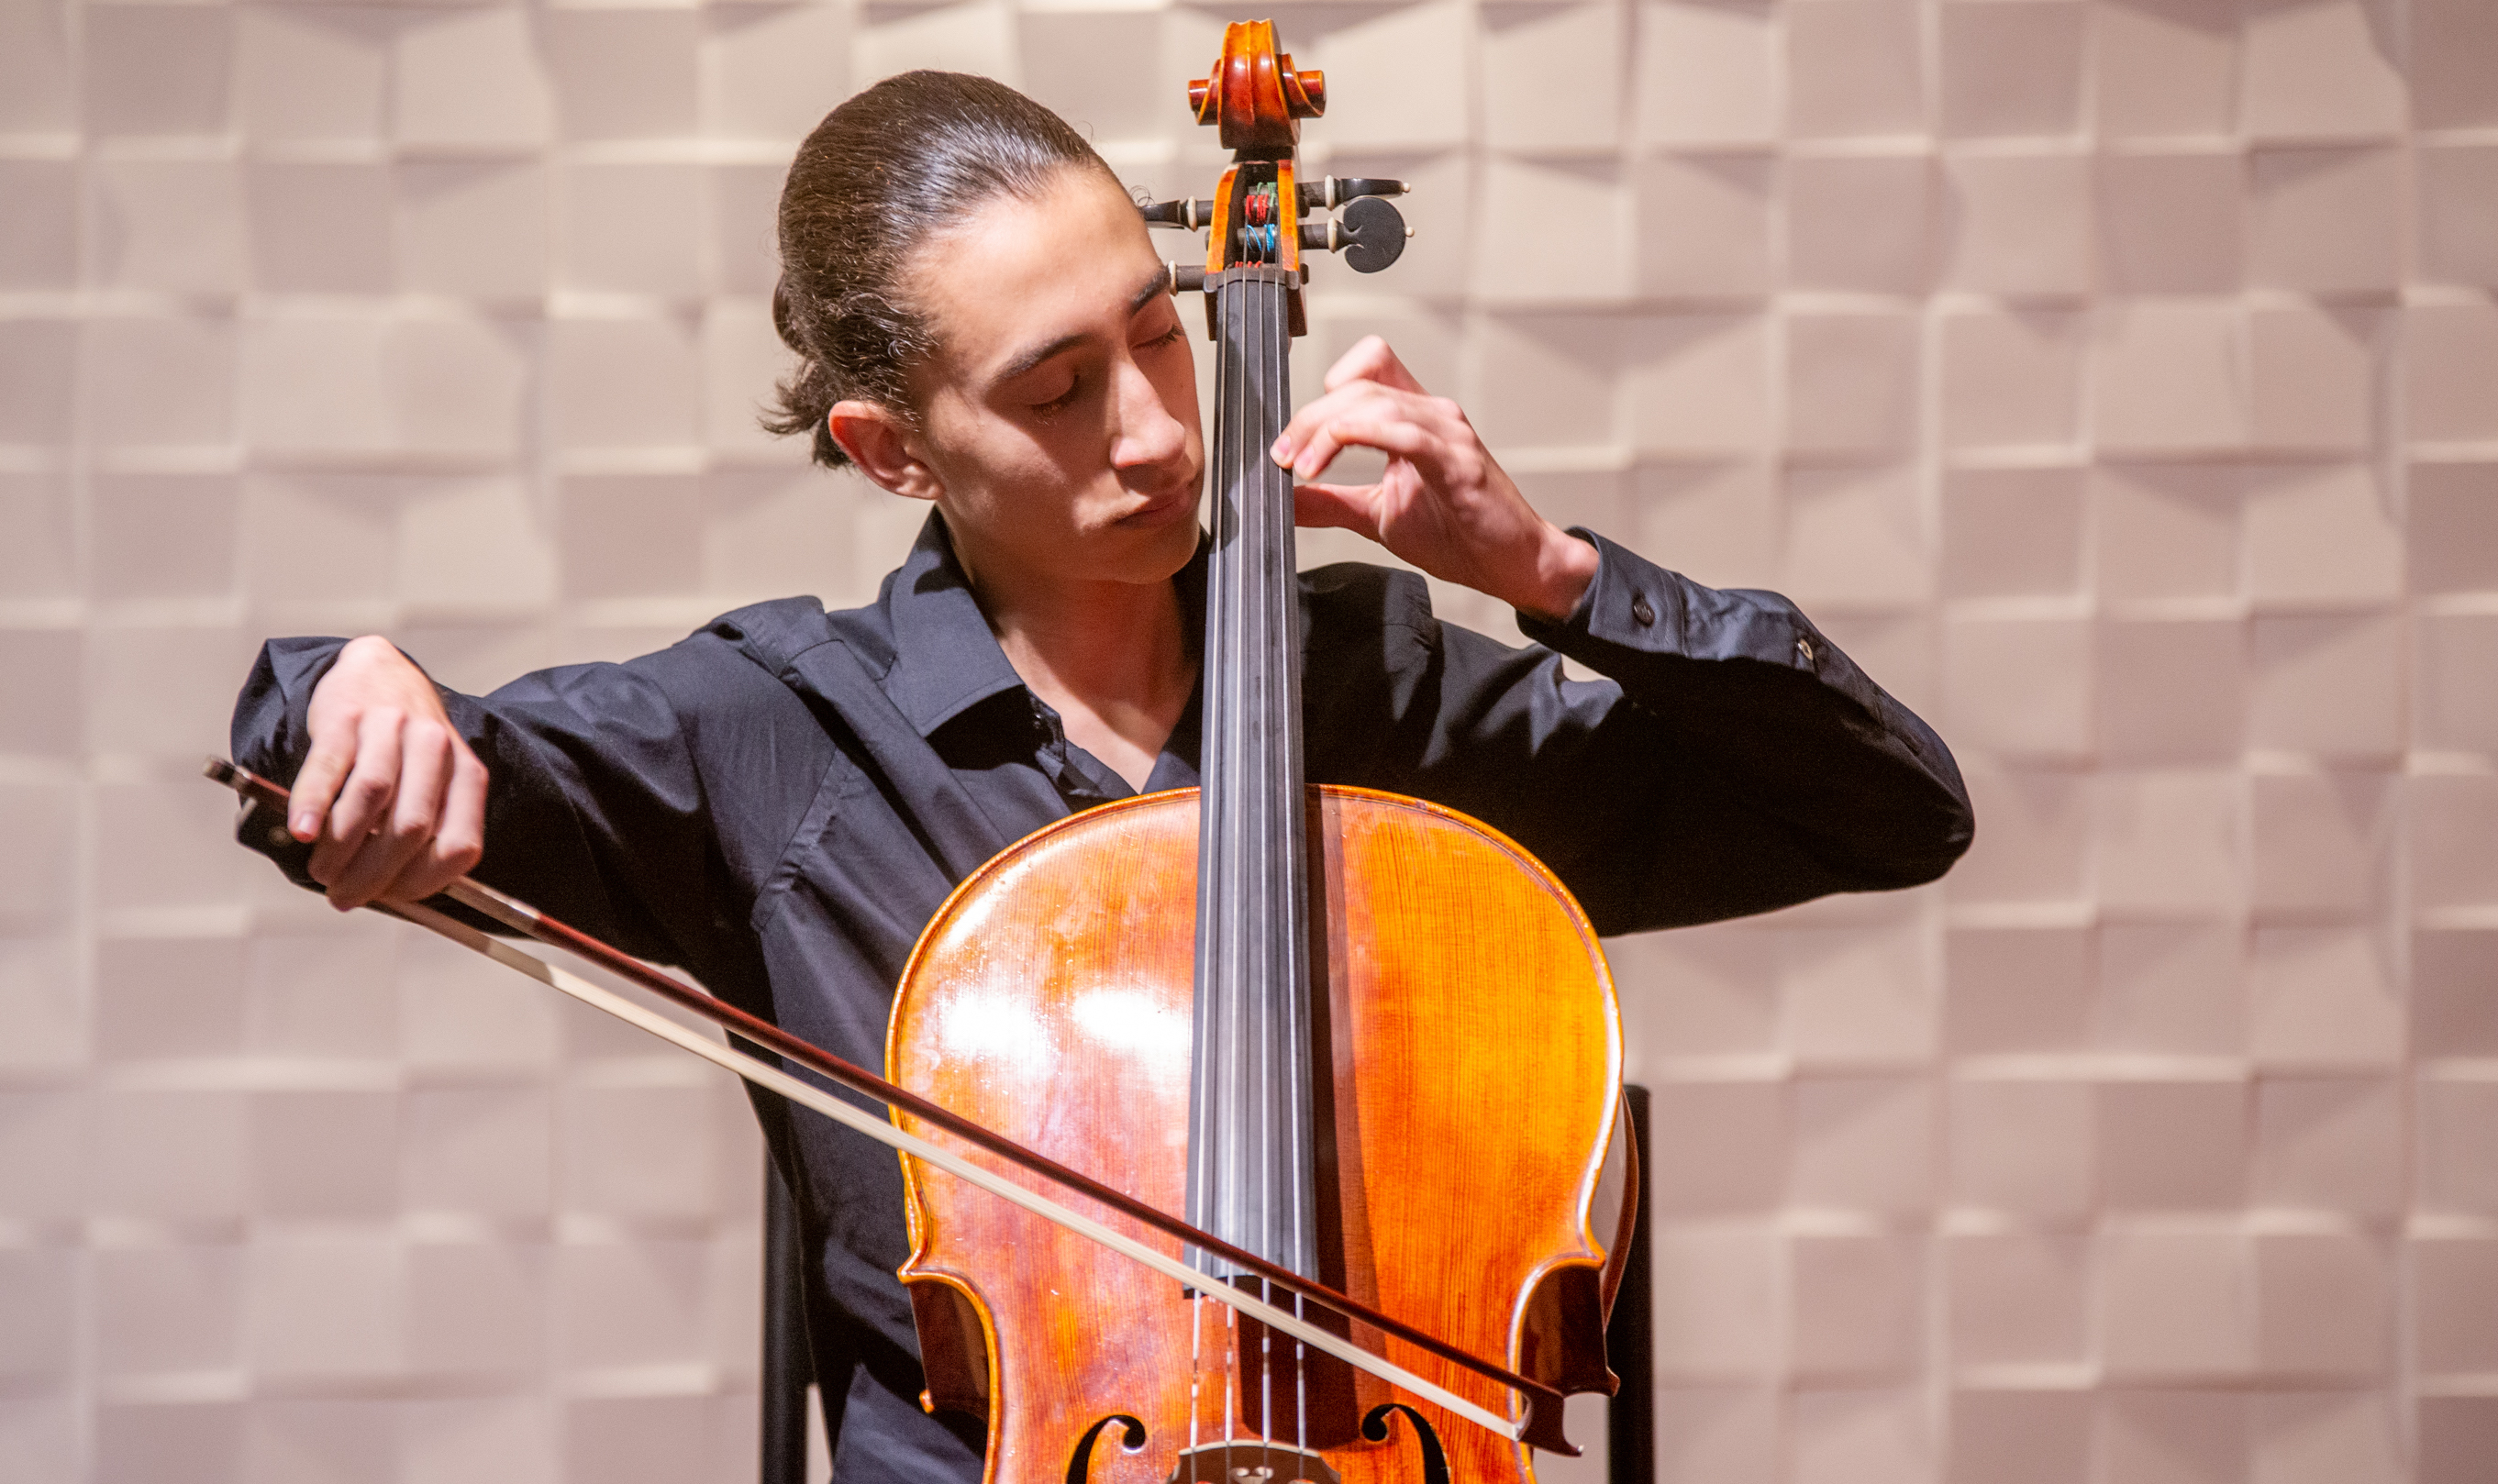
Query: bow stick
1541	1427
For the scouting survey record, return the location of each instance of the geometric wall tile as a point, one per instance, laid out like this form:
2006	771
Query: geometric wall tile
2163	377
2171	690
469	79
2451	820
2017	224
2020	686
1855	1305
2321	842
2023	1146
474	227
1716	1291
771	72
2170	223
2457	1305
1724	1151
302	77
2018	1298
1702	224
1518	260
2318	70
150	382
1718	1435
2012	378
2011	69
159	69
2173	987
320	228
2458	1437
1537	93
1706	73
620	74
2174	1304
2454	992
2331	1437
2449	90
1862	1144
37	91
1863	224
2321	996
2043	1436
1851	383
2455	704
2018	990
2164	68
2330	1144
1848	1436
2323	1305
1853	68
2453	527
2327	684
2009	532
2458	234
2169	841
2458	1150
629	229
2450	355
2312	377
1856	536
2172	1146
157	224
2165	531
2325	220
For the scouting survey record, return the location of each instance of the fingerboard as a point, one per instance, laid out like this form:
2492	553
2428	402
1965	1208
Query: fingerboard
1251	1176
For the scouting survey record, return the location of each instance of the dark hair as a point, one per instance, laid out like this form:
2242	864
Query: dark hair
886	170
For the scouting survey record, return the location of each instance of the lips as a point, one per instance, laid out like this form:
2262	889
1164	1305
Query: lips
1180	502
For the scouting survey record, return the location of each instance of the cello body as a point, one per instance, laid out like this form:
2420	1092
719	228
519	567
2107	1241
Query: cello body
1469	1097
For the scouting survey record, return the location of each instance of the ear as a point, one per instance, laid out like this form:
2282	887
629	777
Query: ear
884	448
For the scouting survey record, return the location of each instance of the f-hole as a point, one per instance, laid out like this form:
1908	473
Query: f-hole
1435	1463
1132	1438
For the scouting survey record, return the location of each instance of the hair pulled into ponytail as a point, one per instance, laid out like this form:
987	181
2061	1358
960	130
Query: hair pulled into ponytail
903	161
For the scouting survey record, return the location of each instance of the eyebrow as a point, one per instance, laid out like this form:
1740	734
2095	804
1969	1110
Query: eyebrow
1158	282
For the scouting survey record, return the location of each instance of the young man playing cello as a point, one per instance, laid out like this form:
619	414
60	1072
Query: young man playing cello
780	802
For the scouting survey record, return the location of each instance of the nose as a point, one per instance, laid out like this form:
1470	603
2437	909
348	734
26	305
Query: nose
1150	435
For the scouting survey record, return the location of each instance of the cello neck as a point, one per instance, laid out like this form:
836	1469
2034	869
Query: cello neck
1252	1176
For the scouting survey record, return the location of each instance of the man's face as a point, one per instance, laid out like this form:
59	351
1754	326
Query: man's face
1059	412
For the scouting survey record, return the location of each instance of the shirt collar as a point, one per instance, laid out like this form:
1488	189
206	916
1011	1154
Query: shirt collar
945	657
946	660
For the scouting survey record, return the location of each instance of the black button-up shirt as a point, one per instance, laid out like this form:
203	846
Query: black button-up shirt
780	802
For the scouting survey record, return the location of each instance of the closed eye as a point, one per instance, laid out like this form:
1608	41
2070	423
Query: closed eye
1062	402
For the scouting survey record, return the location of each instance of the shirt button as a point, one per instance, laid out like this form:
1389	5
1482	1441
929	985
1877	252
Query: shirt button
1641	611
1804	649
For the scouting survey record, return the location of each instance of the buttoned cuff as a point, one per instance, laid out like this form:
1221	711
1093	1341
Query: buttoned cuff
1636	609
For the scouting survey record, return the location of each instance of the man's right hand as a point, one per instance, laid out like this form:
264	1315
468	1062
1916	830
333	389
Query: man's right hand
390	797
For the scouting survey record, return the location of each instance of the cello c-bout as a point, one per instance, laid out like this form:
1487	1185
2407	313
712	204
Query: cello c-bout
1357	1035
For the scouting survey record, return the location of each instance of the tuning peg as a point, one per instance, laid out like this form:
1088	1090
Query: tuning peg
1333	192
1193	216
1185	277
1372	233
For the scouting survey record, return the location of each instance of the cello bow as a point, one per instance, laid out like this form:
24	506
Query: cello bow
1540	1428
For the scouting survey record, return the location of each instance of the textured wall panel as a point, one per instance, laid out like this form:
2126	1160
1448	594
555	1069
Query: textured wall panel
2118	379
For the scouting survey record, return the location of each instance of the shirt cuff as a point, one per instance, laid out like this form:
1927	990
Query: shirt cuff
1635	610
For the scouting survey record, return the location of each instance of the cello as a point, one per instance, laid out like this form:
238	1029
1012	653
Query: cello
1363	1037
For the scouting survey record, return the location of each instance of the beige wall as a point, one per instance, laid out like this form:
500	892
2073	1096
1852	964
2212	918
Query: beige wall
2117	379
